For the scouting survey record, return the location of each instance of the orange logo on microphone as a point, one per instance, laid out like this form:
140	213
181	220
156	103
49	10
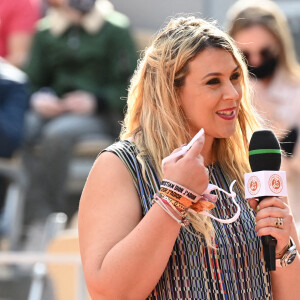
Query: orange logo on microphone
275	184
253	185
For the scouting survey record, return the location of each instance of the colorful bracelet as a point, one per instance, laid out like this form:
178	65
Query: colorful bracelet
179	189
174	204
176	197
183	221
202	205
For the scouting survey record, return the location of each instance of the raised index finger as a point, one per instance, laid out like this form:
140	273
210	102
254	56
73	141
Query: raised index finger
196	148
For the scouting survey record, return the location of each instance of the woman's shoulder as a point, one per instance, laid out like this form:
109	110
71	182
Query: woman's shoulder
125	145
116	157
125	151
122	148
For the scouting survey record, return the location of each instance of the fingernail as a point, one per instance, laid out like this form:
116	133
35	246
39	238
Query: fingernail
257	208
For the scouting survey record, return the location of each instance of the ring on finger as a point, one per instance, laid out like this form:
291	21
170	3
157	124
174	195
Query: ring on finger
279	223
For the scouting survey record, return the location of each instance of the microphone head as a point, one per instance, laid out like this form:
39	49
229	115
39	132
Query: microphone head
264	151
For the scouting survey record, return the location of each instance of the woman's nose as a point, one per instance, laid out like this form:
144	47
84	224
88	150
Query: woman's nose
231	92
254	59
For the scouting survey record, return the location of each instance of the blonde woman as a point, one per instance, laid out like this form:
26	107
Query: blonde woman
262	33
135	238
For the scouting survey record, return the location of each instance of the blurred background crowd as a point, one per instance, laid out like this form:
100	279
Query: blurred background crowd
64	70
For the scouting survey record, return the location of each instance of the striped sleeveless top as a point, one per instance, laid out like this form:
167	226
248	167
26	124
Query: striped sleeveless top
235	269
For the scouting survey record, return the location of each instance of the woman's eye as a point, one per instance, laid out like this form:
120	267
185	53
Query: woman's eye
213	81
235	76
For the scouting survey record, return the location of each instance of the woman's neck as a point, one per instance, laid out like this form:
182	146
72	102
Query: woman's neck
207	151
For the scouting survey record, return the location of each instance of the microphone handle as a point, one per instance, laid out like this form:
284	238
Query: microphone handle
269	245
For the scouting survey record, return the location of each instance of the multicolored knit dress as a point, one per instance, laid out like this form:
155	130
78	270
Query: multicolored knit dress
234	270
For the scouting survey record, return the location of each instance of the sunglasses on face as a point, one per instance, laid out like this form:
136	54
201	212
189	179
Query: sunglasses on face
264	53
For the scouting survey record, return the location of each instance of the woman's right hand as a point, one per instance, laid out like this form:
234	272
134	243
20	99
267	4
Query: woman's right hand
187	170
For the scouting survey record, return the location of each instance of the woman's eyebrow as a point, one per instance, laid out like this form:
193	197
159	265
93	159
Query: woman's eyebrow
218	73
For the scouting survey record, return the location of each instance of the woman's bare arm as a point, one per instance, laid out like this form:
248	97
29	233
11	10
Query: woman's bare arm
123	255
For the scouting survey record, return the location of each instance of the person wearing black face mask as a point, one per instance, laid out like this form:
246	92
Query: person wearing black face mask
261	31
266	68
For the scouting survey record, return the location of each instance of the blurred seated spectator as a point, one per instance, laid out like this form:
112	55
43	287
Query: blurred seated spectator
82	58
17	24
13	104
262	33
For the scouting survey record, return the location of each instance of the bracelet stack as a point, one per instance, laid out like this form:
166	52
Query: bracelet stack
178	189
176	200
165	203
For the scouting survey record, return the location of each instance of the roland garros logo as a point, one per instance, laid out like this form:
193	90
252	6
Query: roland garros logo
275	184
253	185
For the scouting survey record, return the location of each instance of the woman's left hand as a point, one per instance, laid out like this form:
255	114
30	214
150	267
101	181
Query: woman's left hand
273	218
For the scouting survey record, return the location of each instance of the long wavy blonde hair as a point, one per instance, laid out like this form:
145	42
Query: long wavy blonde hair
154	117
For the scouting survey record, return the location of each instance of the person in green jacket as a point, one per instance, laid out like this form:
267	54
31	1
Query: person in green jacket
80	64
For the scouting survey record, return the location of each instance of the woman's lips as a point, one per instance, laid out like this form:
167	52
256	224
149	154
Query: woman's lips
227	114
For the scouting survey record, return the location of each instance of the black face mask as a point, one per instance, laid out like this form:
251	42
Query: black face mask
268	65
264	70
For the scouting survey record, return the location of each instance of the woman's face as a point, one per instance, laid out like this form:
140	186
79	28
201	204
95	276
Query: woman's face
211	94
257	43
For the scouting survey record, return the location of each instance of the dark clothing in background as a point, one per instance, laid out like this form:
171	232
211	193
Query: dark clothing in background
100	63
97	56
13	103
